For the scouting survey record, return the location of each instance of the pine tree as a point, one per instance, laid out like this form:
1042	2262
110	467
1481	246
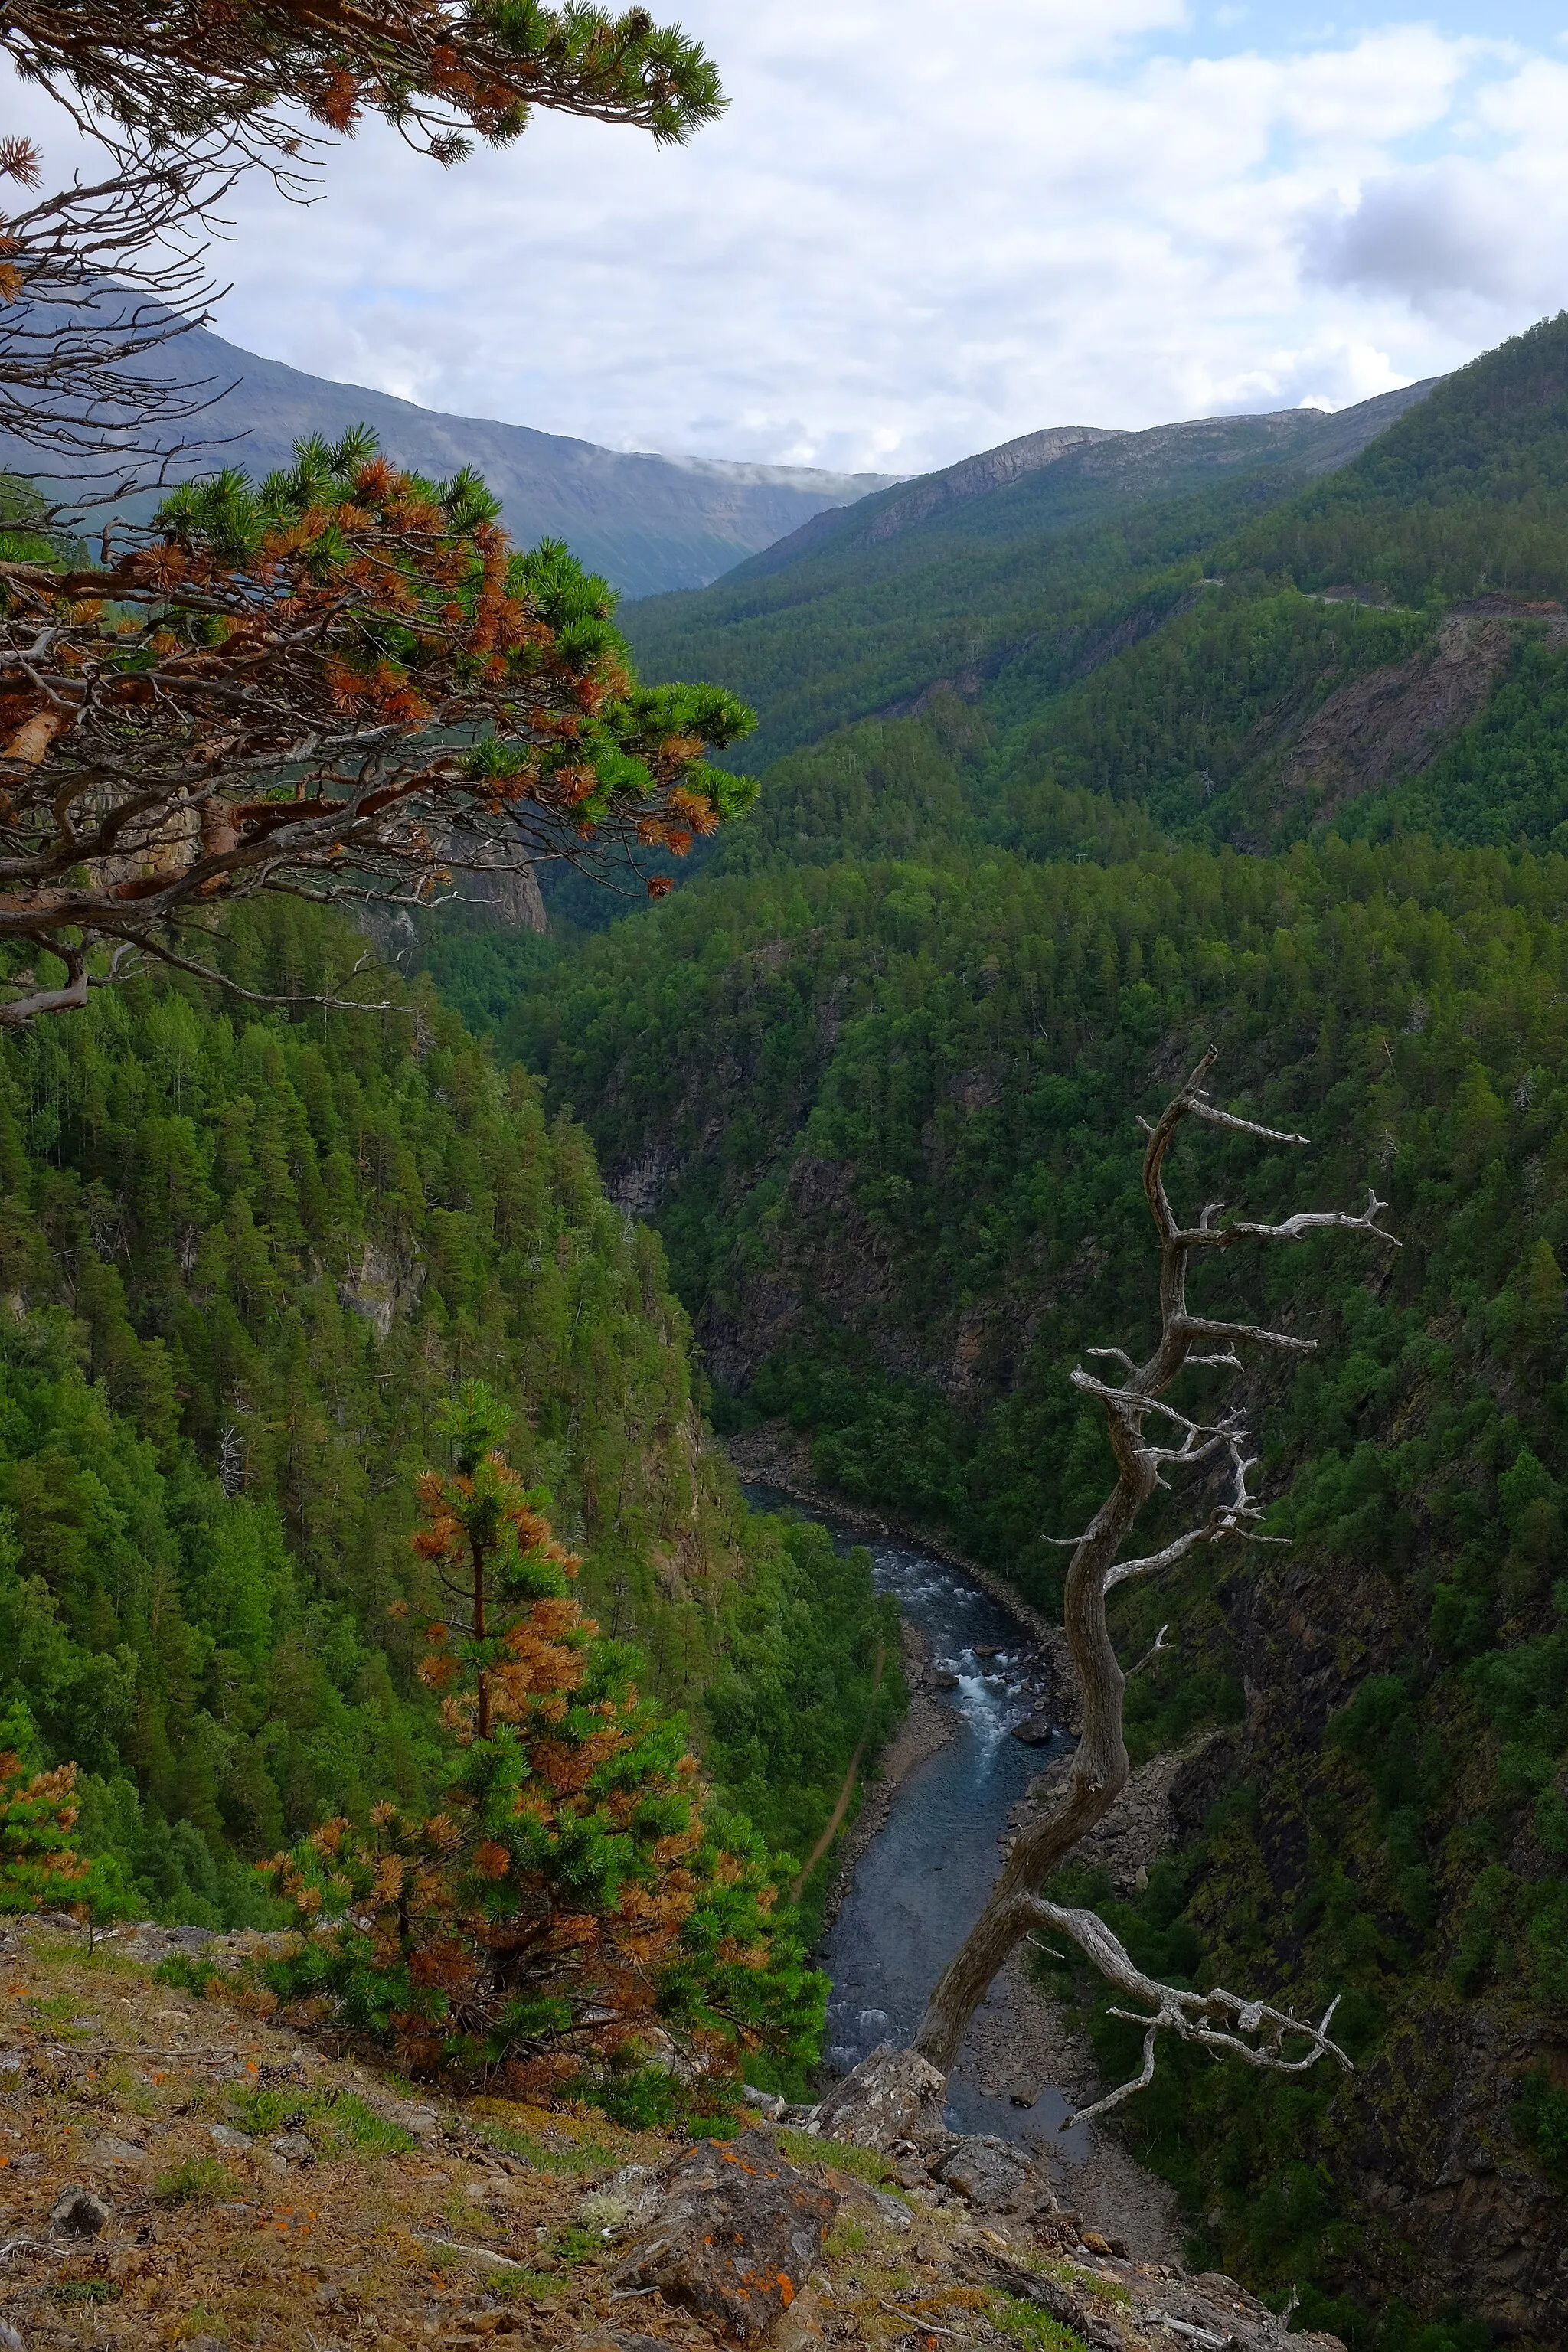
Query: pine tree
41	1869
570	1900
98	279
344	684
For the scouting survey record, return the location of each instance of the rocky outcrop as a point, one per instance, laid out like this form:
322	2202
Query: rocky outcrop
975	477
1390	723
495	889
1165	1800
1012	2233
385	1283
994	2175
736	2237
894	2098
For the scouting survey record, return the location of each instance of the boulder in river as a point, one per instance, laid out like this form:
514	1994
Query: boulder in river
1034	1731
941	1679
736	2237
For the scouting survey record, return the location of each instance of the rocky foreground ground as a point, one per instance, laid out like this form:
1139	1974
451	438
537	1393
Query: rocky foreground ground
177	2171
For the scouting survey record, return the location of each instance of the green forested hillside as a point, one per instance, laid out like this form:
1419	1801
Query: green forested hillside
875	1073
1243	658
246	1258
1462	495
1024	584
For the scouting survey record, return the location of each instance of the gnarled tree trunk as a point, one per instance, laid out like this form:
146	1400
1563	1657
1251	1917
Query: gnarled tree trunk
1100	1770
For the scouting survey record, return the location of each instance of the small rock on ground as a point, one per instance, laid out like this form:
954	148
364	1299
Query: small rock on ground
78	2213
994	2175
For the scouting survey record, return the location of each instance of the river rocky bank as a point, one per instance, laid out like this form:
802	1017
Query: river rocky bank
928	1840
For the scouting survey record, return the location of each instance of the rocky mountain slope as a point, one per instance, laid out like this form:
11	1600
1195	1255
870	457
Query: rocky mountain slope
182	2171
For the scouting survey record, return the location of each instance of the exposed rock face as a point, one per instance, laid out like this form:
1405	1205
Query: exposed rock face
500	892
893	2096
1163	1799
736	2236
384	1284
1375	730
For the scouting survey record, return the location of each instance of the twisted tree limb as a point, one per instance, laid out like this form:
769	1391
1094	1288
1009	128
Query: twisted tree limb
1100	1770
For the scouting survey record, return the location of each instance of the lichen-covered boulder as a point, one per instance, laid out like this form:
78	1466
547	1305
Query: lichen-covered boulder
993	2175
736	2235
893	2096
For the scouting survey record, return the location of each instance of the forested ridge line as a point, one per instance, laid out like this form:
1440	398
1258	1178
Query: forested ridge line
844	619
1231	654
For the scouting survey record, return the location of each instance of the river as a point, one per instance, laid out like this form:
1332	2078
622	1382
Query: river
922	1879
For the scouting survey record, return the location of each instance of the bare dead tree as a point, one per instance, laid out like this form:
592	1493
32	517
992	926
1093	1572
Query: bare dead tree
1246	2027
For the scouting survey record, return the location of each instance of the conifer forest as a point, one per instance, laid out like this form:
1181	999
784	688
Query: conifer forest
482	1063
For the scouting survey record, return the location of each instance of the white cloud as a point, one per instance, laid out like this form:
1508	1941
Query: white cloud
920	230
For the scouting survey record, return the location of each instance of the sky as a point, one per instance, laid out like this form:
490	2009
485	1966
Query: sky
921	229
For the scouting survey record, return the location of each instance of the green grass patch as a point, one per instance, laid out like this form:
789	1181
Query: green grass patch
200	2180
588	2156
78	2291
515	2286
335	2120
839	2155
1028	2325
1108	2290
56	2012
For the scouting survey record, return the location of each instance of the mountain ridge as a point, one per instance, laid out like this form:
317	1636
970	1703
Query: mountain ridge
866	607
649	523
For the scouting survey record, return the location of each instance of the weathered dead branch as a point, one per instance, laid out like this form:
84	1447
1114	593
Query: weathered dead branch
1249	2028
